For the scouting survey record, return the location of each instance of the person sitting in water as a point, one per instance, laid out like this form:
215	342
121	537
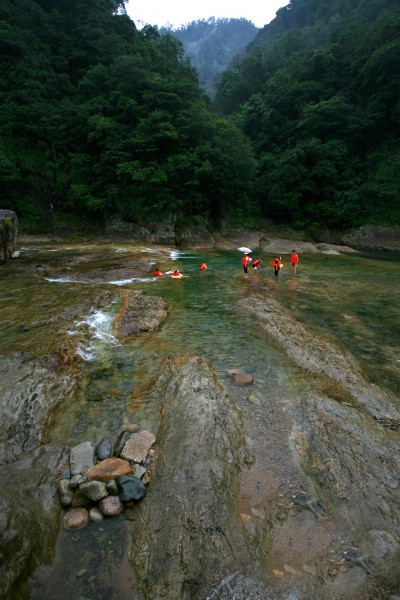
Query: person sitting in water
257	264
203	267
176	274
157	272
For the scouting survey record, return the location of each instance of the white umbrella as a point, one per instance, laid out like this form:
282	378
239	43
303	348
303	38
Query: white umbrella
244	249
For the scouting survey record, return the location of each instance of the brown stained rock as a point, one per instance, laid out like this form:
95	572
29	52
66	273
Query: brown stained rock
76	518
242	378
108	469
138	446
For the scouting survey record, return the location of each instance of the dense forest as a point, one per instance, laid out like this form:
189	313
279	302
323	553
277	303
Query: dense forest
99	119
318	94
212	45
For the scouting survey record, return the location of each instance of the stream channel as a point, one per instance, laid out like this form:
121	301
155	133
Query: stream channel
351	300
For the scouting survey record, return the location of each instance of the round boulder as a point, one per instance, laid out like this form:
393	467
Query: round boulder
76	518
111	506
131	488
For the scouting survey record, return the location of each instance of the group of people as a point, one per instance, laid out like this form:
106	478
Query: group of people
176	274
246	262
276	263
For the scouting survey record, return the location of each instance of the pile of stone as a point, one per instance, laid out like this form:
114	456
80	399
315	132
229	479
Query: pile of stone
102	479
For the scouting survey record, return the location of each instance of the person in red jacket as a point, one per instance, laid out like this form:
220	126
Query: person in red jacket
294	259
276	263
176	274
246	260
203	267
157	272
257	264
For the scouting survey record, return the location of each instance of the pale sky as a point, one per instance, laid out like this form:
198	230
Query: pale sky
181	12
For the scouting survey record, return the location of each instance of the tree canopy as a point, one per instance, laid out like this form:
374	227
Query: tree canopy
100	119
318	94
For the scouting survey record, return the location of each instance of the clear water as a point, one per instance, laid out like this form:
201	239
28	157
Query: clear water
350	299
46	301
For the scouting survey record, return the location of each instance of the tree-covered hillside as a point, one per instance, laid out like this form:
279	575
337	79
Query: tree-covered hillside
319	96
212	45
99	119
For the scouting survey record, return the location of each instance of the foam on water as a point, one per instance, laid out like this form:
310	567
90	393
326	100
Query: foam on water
178	254
132	280
99	327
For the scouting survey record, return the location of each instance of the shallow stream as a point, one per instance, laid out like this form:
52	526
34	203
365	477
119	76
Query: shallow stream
349	299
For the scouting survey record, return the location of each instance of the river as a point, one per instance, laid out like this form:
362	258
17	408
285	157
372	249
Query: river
351	300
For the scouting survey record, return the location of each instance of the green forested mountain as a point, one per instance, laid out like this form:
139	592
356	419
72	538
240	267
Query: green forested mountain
99	119
319	96
212	45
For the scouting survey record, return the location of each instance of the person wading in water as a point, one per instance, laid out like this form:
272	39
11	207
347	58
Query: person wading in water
294	259
246	260
276	263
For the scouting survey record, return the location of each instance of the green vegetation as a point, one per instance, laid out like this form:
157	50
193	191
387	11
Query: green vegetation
319	96
101	120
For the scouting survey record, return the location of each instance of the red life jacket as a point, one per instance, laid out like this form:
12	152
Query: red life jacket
246	260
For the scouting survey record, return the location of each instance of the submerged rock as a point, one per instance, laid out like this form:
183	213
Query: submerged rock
242	378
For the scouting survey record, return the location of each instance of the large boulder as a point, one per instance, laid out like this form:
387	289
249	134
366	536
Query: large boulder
29	392
189	529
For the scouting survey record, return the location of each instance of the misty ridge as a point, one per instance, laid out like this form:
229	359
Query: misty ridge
213	44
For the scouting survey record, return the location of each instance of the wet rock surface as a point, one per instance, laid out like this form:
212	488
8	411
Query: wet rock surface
29	392
189	529
344	498
139	313
29	510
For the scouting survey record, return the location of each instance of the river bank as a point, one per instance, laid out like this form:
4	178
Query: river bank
269	238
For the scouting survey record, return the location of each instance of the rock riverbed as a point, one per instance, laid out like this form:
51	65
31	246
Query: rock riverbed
267	496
